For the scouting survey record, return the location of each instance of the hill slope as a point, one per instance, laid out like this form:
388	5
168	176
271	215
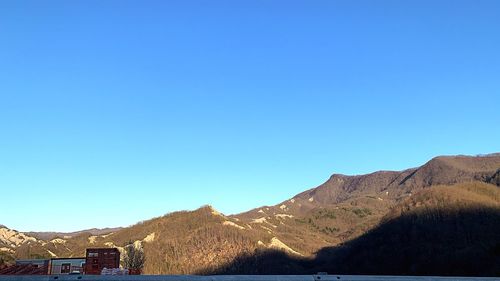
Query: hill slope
342	211
345	207
444	230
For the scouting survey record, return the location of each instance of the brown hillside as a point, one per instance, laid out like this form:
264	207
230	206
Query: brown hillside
440	231
337	212
355	204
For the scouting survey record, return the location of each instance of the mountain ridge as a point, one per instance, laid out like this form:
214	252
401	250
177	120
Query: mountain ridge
340	210
49	235
426	234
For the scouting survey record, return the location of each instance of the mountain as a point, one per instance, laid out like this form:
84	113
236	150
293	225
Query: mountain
10	240
295	234
447	230
345	207
53	235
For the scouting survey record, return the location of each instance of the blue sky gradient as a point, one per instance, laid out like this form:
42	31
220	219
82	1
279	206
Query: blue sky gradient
139	108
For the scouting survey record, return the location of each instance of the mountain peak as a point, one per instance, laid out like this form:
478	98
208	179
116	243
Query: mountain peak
210	209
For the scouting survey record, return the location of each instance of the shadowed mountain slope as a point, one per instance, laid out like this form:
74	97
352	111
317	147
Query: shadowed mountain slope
344	207
446	230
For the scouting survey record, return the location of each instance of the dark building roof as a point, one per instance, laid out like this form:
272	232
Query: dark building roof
33	261
103	249
24	269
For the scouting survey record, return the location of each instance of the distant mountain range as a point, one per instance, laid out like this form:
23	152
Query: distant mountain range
66	235
442	218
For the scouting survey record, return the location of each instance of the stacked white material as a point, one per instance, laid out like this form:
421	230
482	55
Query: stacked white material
114	271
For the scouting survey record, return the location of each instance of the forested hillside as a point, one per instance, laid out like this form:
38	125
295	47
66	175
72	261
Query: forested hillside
440	218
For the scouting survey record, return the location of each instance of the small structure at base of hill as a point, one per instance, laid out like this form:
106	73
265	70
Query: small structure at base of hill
66	265
96	259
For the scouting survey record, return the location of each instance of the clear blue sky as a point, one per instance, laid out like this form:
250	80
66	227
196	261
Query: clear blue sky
112	112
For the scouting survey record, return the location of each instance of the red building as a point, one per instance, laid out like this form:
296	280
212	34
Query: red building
98	258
